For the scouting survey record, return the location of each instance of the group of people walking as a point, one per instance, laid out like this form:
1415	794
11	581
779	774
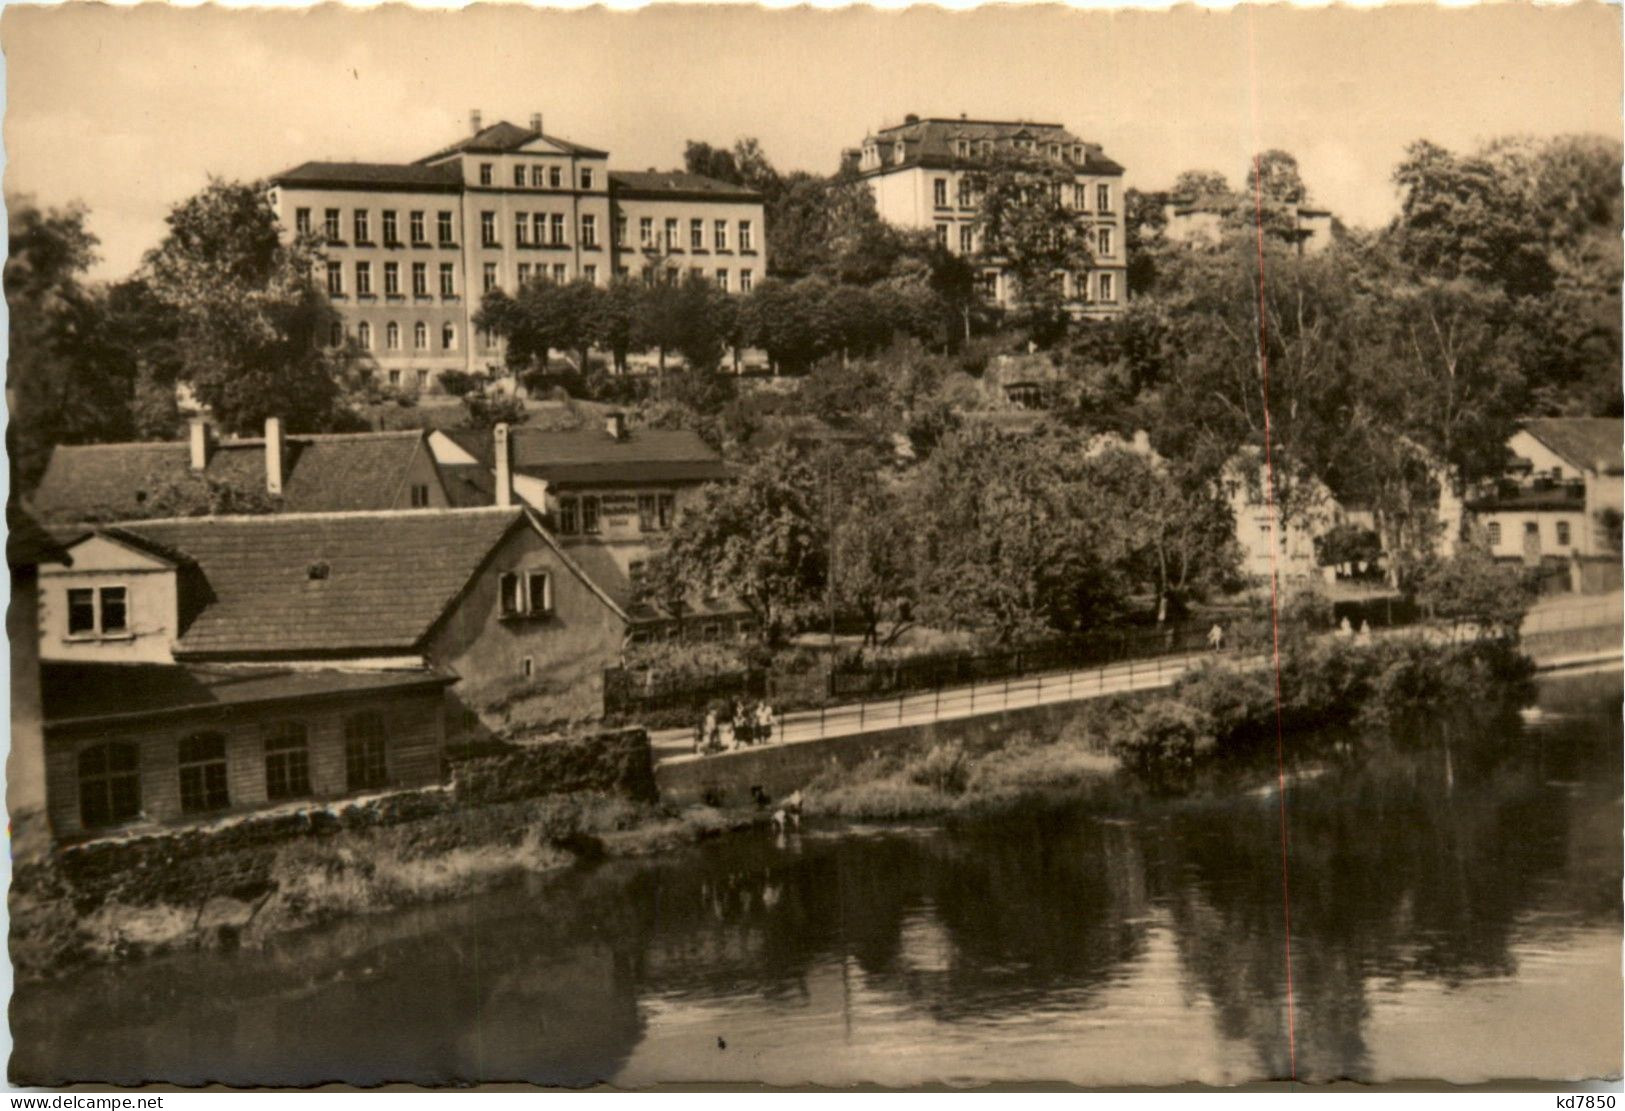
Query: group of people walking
734	725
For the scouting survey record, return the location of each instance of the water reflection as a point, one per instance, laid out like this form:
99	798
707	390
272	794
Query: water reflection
1147	944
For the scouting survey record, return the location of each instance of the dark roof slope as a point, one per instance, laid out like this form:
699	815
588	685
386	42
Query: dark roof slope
28	544
677	185
591	457
504	136
1584	441
346	583
100	692
930	142
372	175
114	482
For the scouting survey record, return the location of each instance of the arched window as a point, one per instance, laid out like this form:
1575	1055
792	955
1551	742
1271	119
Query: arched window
203	773
335	335
364	743
109	784
287	761
420	336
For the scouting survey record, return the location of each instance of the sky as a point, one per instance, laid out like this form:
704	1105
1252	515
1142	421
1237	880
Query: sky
129	110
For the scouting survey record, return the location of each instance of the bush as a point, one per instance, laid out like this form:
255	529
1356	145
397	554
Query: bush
457	383
943	768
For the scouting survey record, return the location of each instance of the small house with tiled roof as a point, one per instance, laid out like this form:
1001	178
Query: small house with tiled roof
274	474
441	625
1560	497
926	174
411	248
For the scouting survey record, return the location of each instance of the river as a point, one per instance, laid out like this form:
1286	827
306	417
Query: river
1455	914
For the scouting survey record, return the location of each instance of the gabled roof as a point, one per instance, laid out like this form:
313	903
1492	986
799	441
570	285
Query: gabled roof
326	584
86	693
931	142
591	457
117	482
502	137
28	544
677	185
372	175
1590	443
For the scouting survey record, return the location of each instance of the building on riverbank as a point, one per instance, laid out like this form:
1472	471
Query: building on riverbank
185	615
411	249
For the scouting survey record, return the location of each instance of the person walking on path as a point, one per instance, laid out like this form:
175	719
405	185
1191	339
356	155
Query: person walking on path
709	726
1215	637
764	722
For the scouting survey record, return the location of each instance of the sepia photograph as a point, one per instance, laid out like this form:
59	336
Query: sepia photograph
790	548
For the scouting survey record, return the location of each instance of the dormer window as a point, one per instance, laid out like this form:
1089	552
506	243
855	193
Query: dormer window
962	147
526	594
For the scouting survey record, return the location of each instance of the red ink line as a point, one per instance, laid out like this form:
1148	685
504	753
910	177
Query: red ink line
1269	501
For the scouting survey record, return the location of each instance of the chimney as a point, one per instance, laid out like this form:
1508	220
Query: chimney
615	425
276	455
536	122
911	118
474	121
202	443
504	462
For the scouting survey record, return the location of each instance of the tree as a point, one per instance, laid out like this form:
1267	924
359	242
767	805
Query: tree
1274	176
541	317
712	162
615	327
1201	184
791	322
487	408
1473	586
1023	220
871	569
253	325
757	539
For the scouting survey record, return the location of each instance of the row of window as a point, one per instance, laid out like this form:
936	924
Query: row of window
669	238
1104	289
583	515
333	231
110	773
392	336
392	279
525	594
968	245
1531	533
969	195
538	177
540	229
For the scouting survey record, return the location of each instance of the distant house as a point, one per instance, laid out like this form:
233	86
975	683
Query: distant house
276	473
1203	220
1561	495
609	498
248	624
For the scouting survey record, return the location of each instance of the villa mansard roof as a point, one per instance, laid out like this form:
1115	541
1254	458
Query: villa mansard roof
941	143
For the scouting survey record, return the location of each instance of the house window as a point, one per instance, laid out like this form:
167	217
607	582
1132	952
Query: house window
448	284
620	231
589	230
392	336
1562	534
964	192
555	177
556	220
490	276
746	243
744	281
538	228
967	237
696	235
335	335
335	279
567	517
528	593
363	279
394	378
559	273
420	336
939	192
586	177
1103	197
589	516
962	147
666	506
524	274
671	236
539	592
1108	288
1495	533
301	221
109	784
392	279
203	773
420	494
330	224
589	273
363	335
415	222
443	227
420	279
521	228
1105	240
538	176
488	229
646	231
448	337
508	591
423	380
722	280
364	757
519	177
105	610
1080	196
391	235
287	762
942	236
719	235
646	512
486	173
363	233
